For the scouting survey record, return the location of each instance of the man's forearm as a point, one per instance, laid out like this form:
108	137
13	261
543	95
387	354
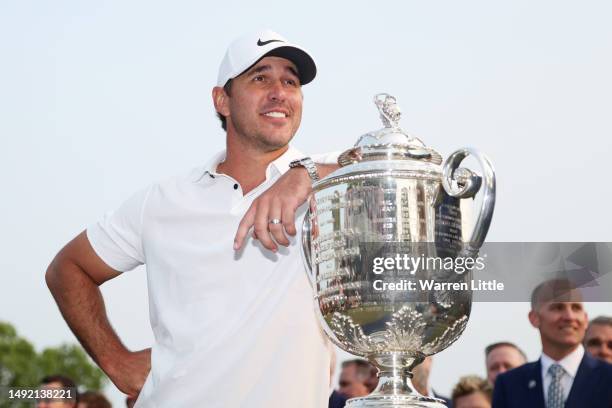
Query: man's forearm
325	169
80	302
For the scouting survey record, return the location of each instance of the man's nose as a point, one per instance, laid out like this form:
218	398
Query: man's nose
570	314
277	91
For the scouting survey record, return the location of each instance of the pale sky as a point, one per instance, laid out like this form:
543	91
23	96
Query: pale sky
98	99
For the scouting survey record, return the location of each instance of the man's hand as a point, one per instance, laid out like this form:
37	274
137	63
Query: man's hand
74	277
279	202
130	371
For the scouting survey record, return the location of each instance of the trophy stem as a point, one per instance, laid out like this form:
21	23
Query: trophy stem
395	388
394	381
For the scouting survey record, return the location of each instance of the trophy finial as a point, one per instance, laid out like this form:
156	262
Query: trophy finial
390	112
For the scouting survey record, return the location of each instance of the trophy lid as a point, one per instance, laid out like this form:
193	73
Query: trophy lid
390	142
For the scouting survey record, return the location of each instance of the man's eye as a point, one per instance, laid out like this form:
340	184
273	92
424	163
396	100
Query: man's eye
291	82
258	78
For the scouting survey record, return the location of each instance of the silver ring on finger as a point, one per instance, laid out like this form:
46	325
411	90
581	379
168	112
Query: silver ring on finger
275	221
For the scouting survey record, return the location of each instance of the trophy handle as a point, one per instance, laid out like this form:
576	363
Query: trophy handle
461	182
306	252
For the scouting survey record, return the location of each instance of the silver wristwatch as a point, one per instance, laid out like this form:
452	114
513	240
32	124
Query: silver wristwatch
309	165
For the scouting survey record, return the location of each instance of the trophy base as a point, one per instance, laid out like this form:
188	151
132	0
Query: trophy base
395	401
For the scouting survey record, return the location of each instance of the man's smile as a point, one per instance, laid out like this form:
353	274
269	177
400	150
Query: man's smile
276	113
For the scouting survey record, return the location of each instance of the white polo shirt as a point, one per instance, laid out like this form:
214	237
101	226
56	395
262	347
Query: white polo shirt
232	329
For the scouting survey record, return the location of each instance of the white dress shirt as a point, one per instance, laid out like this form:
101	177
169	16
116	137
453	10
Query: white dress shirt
570	364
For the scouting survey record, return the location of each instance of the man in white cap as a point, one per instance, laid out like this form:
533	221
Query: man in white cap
234	324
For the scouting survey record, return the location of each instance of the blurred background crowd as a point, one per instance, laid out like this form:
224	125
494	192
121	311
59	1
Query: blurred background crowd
359	378
568	339
562	326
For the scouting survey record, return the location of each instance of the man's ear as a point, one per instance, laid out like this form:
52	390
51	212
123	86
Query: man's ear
220	100
534	318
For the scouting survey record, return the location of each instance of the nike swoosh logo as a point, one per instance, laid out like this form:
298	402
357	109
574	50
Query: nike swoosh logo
262	43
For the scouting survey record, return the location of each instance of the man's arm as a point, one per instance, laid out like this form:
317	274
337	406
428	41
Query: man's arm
74	277
280	201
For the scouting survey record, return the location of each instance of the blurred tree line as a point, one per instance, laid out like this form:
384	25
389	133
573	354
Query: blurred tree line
21	366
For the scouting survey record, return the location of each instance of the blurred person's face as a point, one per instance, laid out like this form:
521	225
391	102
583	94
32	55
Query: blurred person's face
598	341
502	359
351	384
561	324
473	400
54	403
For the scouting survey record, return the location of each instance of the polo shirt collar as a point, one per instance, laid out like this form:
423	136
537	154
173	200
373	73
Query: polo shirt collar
278	166
281	165
570	363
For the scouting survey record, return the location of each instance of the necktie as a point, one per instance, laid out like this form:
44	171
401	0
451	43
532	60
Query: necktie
555	391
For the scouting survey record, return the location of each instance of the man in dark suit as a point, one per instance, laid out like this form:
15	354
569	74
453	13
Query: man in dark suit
336	400
564	376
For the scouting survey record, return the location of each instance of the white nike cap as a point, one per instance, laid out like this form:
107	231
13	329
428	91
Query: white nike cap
246	51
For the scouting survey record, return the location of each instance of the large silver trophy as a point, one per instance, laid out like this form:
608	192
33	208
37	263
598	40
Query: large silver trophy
390	199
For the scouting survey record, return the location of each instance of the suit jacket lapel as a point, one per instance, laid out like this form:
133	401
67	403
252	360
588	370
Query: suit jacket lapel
576	397
535	387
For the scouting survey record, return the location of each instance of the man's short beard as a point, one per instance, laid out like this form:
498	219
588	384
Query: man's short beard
268	147
260	142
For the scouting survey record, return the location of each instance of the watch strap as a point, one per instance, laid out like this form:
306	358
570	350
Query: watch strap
309	165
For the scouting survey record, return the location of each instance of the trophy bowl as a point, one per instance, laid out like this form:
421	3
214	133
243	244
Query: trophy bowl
391	203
